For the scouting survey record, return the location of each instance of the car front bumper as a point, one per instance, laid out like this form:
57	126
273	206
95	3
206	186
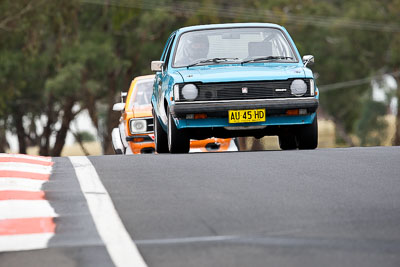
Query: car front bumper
181	109
217	115
141	143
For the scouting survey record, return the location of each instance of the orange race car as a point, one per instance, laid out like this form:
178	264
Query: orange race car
135	134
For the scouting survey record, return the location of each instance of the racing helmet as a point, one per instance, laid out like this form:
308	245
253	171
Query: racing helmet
196	47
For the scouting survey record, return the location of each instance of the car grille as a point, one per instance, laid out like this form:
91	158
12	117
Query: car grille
150	124
255	90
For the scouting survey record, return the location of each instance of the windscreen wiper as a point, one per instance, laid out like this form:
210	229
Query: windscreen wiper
269	58
215	60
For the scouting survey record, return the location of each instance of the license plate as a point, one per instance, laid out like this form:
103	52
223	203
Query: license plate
248	115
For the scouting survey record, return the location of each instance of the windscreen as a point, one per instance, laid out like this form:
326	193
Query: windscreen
142	93
234	44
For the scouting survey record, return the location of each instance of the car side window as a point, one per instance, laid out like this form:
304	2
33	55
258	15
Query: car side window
169	41
167	57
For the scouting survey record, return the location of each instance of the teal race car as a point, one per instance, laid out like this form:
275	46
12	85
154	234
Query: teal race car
233	80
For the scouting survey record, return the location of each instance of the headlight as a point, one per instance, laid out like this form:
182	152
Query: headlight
138	126
190	91
298	87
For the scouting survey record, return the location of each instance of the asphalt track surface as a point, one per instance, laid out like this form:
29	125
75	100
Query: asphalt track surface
327	207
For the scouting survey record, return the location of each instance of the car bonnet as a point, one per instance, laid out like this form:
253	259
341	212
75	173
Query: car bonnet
236	73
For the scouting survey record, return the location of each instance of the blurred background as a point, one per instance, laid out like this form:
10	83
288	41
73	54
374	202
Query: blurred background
64	63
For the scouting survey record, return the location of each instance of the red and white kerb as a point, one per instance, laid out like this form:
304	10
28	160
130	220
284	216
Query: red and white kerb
26	217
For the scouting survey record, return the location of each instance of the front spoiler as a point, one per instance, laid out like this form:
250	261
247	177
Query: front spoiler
180	109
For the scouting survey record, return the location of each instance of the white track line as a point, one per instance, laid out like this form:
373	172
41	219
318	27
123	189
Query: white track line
25	167
24	242
119	244
14	209
21	184
22	156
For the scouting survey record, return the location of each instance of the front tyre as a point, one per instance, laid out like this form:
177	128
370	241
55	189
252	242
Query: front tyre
178	141
287	142
160	136
307	135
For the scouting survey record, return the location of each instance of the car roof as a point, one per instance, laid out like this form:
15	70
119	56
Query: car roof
228	25
144	77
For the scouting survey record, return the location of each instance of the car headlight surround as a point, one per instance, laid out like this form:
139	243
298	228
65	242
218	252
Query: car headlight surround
298	87
312	87
137	126
190	91
176	92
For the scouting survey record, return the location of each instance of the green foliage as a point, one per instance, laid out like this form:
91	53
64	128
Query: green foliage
372	127
84	136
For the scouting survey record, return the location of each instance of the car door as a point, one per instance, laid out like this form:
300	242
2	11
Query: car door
162	78
158	75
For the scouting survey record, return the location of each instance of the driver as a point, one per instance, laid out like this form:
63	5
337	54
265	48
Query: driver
194	49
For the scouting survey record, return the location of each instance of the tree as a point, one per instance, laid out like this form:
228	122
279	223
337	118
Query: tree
393	61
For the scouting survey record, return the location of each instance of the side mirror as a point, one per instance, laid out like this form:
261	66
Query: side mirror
308	59
157	65
119	106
